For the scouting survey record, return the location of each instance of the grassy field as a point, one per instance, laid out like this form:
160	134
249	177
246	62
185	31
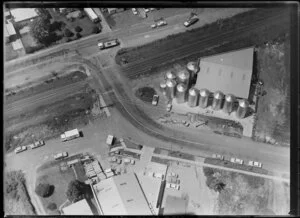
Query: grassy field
239	194
273	112
16	197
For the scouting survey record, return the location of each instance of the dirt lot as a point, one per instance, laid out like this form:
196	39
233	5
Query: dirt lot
273	112
243	195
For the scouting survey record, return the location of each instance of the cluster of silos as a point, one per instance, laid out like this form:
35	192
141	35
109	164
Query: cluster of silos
193	68
193	97
170	88
181	93
204	95
184	77
217	101
242	109
228	103
163	87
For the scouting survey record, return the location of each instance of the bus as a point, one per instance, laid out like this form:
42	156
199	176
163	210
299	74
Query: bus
92	15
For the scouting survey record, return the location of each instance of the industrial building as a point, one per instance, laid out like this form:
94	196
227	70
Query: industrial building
121	195
79	208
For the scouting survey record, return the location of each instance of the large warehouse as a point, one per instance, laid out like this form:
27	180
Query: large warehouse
229	73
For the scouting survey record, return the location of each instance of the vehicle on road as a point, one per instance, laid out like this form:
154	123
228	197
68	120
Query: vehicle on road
110	140
193	19
61	155
69	135
20	149
108	44
161	23
37	144
134	11
218	156
92	15
255	164
155	100
169	107
236	160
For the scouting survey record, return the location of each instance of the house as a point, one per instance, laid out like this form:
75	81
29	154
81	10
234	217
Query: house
23	14
9	32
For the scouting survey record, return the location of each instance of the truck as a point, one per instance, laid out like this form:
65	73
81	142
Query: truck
108	44
69	135
92	15
110	139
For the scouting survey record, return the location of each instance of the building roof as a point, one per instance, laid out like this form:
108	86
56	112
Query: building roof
174	205
21	14
121	195
17	44
229	72
9	29
79	208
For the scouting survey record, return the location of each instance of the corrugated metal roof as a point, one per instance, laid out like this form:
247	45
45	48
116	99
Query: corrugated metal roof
17	44
229	72
79	208
21	14
121	195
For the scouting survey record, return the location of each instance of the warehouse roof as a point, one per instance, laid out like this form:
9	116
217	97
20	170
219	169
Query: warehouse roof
79	208
21	14
121	195
229	72
175	205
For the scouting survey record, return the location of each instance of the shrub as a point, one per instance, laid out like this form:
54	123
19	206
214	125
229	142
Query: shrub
78	29
43	190
68	33
96	29
52	206
75	191
78	35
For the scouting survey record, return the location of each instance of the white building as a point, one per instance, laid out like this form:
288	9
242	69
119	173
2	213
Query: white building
23	14
79	208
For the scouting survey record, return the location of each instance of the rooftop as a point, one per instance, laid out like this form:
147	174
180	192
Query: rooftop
121	195
17	44
21	14
175	205
79	208
9	29
229	72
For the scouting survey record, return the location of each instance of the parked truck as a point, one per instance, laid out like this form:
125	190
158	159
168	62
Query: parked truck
110	140
92	15
108	44
69	135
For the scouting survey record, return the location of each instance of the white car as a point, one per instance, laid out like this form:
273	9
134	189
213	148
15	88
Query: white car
255	164
175	186
37	144
146	10
155	100
168	185
61	155
236	160
161	23
134	11
153	25
218	156
169	107
20	149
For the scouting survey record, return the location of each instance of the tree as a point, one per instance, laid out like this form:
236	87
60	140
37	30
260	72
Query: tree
78	35
68	33
40	30
52	206
96	29
43	190
76	190
43	12
78	29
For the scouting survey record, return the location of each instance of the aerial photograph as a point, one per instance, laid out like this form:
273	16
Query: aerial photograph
146	111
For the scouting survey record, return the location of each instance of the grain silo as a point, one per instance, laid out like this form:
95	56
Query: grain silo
181	93
171	88
163	87
204	95
184	77
193	97
170	76
193	67
242	109
218	99
228	104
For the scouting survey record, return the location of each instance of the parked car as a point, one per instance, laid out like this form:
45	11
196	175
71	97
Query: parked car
134	11
169	107
168	185
255	164
175	186
218	156
20	149
155	100
236	160
61	155
37	144
153	25
161	23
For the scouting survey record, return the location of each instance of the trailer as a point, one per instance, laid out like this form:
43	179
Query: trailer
92	15
110	140
69	135
108	44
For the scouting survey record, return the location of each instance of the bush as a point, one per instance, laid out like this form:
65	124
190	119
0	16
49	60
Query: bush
43	190
68	33
78	35
96	29
78	29
52	206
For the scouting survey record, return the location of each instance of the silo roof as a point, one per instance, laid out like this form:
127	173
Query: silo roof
229	72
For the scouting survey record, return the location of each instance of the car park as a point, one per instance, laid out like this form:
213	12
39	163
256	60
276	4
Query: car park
37	144
134	11
155	100
20	149
255	164
60	155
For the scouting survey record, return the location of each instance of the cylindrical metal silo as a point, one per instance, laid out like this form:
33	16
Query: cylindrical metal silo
218	99
228	104
242	109
181	93
163	87
170	89
170	76
204	95
192	67
193	97
184	77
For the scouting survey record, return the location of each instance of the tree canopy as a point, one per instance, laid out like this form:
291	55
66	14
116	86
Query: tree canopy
40	30
75	191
